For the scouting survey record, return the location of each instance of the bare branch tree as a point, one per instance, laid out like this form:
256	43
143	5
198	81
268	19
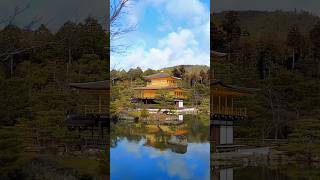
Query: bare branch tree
118	8
11	52
17	11
34	22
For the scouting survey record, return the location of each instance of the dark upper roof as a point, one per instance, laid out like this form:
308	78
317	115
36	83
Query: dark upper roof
97	85
235	88
218	54
160	75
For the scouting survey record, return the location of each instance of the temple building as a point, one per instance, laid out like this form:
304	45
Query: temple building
100	89
160	82
94	114
225	109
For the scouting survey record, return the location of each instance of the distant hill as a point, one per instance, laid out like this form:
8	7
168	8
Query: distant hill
258	23
190	69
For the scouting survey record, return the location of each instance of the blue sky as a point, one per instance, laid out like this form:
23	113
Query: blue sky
167	33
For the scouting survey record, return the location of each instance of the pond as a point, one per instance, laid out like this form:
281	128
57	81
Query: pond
268	172
150	151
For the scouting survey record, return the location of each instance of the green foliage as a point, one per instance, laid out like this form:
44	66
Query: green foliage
164	99
120	98
35	93
305	138
11	149
149	72
198	127
144	113
15	102
282	60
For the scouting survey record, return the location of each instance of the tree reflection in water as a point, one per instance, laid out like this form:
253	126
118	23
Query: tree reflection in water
174	137
175	151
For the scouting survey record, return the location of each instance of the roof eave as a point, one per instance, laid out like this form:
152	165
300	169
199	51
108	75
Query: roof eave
95	85
236	88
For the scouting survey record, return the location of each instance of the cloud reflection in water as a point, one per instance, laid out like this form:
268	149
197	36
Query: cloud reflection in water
134	160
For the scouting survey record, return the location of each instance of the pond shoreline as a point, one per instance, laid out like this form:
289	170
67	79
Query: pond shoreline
261	156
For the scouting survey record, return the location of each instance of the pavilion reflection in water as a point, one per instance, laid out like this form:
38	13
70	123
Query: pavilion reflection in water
162	137
165	137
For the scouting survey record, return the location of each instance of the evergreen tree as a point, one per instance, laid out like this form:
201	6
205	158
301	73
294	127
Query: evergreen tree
295	40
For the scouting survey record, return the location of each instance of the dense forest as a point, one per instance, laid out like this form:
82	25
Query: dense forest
194	79
279	53
36	68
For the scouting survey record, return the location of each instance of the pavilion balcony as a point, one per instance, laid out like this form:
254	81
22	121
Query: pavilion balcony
96	109
144	97
153	96
229	111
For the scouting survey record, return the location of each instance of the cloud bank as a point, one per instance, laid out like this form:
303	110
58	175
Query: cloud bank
185	36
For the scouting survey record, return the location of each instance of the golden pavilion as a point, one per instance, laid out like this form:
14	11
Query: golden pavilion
160	82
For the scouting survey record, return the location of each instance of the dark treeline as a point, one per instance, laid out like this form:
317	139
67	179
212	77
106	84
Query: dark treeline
190	74
277	52
36	67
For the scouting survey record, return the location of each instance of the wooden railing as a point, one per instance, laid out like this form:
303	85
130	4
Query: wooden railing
233	111
95	109
95	140
260	142
154	96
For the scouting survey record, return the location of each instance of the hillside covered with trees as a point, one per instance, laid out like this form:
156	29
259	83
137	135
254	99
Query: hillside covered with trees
36	68
277	52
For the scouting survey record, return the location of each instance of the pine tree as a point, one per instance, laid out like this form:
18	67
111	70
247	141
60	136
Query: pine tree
295	40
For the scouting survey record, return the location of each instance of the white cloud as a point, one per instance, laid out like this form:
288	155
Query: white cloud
178	167
178	40
134	11
133	148
177	48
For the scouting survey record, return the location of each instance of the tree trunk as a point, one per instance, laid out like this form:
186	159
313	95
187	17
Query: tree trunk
68	64
278	129
79	74
54	70
273	114
11	65
297	113
293	59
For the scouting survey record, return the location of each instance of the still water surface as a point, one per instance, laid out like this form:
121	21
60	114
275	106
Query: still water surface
140	151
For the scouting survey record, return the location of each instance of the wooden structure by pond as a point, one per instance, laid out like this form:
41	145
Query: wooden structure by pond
225	109
92	117
160	82
98	88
